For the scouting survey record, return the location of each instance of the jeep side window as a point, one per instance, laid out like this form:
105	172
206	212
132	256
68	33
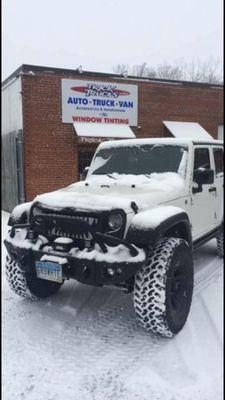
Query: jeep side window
201	158
218	158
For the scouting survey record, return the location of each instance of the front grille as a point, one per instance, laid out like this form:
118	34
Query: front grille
60	225
71	223
62	231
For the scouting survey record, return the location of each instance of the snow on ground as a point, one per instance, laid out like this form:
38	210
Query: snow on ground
84	344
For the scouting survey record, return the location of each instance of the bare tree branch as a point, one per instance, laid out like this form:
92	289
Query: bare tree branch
208	71
120	69
167	71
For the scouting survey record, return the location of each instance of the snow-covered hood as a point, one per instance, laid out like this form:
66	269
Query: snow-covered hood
117	191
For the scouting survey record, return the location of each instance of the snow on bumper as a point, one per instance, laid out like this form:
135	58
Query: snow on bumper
114	265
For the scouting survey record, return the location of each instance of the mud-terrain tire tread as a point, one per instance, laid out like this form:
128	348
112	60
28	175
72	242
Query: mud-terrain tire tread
150	300
27	285
220	243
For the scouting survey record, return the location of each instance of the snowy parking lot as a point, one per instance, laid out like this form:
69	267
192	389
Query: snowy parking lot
84	344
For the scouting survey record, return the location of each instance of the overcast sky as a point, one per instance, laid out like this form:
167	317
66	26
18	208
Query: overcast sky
99	34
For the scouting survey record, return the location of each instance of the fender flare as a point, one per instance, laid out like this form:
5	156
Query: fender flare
146	229
20	214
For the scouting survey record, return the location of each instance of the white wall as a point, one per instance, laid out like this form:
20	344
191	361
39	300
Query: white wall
11	106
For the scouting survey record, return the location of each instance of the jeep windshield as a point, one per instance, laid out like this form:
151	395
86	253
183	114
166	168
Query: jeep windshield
140	160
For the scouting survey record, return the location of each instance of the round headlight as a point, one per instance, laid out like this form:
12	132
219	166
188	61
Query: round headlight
115	221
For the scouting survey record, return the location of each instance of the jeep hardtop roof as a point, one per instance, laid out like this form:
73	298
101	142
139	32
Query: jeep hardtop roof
165	140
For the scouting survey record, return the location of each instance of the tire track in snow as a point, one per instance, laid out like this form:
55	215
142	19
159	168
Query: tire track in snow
205	276
203	279
211	322
110	329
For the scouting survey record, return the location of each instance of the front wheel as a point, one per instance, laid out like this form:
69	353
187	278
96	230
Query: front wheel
163	287
27	285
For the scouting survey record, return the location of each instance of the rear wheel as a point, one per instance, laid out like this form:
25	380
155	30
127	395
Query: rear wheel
219	239
163	287
27	285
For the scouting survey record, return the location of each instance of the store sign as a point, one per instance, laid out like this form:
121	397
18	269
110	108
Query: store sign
99	102
92	140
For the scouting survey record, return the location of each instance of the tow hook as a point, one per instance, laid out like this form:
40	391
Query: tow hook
113	241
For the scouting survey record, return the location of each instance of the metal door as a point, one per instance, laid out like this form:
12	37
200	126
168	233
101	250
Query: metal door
12	170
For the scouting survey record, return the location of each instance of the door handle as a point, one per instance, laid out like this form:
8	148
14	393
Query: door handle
212	189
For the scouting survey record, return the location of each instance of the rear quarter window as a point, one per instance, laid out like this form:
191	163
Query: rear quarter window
218	159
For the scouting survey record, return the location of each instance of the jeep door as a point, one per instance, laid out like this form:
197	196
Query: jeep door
203	197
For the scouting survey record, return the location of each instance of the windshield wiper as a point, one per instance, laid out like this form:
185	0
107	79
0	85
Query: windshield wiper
148	176
110	176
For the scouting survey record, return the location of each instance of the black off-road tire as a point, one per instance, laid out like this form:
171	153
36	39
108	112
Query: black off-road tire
164	286
220	242
27	285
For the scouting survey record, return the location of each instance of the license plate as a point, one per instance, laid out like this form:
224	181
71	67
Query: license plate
49	271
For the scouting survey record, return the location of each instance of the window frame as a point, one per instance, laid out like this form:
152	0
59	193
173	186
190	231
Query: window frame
214	160
196	148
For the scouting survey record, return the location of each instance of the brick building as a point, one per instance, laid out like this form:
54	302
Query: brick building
43	150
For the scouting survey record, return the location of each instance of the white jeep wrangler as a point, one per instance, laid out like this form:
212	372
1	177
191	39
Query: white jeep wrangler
133	222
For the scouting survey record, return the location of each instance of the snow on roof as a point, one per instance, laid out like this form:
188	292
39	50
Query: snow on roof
103	130
138	142
165	140
190	130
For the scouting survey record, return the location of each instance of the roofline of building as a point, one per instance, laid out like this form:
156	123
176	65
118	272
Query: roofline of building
26	68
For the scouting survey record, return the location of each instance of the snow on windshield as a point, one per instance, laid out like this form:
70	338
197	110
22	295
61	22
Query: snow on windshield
139	160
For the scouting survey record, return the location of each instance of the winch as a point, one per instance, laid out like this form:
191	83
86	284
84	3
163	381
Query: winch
63	244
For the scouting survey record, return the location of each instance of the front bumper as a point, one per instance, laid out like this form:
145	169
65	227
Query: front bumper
113	261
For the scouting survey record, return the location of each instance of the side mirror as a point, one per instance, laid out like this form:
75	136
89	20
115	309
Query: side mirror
84	173
203	176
